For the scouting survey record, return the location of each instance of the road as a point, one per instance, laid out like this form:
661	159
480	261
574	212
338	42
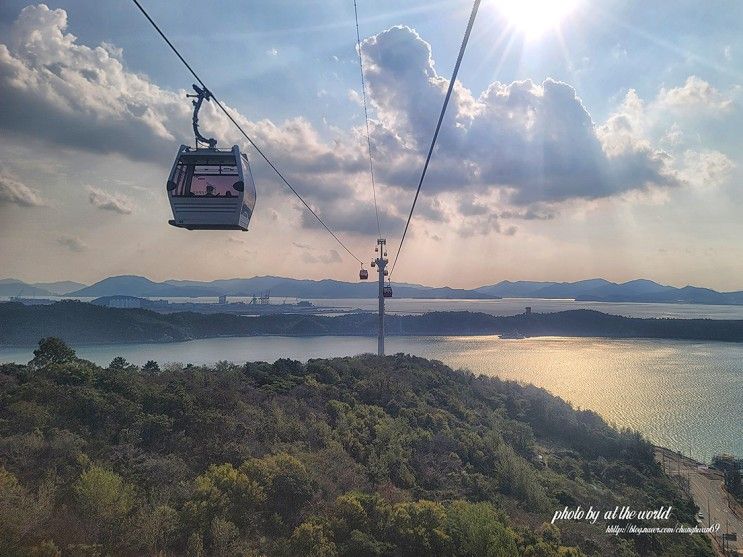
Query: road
707	489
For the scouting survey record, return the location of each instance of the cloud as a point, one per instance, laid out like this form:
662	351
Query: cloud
530	146
108	201
636	123
332	256
355	97
706	169
14	192
529	214
536	142
350	214
56	90
72	243
695	93
471	207
482	225
673	136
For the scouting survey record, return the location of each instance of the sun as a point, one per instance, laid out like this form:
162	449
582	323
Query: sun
535	17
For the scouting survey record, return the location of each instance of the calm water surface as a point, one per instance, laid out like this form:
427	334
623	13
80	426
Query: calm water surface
684	395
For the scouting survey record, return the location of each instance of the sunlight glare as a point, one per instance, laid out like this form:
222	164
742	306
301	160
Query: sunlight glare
534	17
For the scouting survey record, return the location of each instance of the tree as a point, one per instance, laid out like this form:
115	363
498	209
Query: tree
47	548
118	363
733	481
195	545
151	367
285	481
477	529
223	491
419	528
105	501
21	512
157	528
225	538
52	350
313	540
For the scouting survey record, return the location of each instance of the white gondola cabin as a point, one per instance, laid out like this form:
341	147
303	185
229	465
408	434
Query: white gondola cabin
211	189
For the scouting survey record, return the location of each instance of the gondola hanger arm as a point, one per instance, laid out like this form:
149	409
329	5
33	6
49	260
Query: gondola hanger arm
202	94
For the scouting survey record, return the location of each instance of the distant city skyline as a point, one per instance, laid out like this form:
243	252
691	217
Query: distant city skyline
606	146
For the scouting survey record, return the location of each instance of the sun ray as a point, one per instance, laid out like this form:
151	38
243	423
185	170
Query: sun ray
535	17
669	46
506	36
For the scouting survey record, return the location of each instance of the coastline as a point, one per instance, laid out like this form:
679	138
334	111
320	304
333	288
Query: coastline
706	486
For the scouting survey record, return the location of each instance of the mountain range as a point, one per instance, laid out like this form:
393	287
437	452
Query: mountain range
15	287
600	290
594	290
278	287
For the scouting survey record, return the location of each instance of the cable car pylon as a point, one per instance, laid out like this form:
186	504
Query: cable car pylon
380	262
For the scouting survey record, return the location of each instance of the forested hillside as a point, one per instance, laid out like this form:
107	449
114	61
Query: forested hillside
82	323
345	457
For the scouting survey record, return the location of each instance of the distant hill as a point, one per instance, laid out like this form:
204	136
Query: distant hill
278	286
518	289
132	285
572	289
60	288
600	290
15	287
83	323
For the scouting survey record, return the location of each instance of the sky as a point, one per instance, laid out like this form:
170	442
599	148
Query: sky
593	139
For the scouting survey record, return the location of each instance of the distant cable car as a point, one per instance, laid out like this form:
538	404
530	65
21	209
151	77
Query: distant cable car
363	274
210	188
387	291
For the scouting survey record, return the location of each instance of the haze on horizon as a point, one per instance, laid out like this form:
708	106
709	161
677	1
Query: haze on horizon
608	146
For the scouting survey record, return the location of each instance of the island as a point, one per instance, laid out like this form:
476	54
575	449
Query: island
83	323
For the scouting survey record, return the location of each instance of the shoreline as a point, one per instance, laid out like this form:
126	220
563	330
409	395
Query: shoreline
706	486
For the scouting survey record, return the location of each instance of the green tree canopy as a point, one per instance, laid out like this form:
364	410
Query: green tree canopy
52	350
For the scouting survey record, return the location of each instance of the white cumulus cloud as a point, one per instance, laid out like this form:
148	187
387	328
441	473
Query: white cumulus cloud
13	191
694	93
535	141
109	201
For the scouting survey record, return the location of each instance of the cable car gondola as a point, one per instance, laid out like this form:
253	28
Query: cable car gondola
210	188
387	291
363	274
